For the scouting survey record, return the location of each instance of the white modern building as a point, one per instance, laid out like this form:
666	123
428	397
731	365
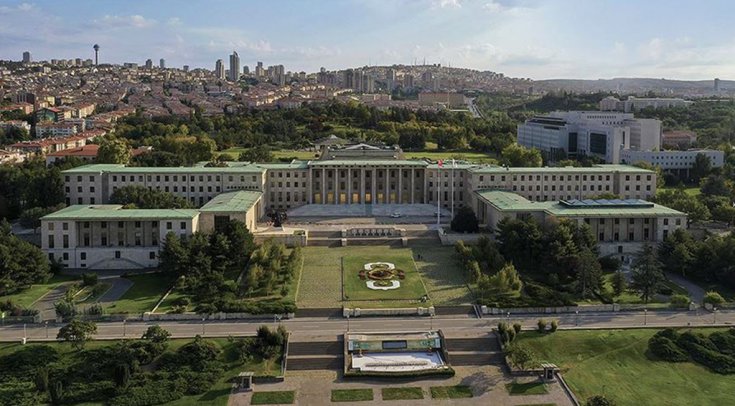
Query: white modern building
589	133
674	161
635	104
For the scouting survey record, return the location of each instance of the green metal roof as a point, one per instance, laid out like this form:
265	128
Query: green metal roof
286	165
113	168
565	169
116	212
240	201
508	201
369	162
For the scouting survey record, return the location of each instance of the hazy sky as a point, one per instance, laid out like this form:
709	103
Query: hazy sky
522	38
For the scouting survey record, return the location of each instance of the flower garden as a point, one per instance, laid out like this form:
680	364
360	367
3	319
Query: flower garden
392	276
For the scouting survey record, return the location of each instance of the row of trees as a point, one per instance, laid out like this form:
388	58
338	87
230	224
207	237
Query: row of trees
270	267
709	260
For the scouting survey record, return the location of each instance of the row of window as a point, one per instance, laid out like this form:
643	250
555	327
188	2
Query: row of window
83	257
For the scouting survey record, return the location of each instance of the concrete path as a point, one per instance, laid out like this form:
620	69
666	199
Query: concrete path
45	305
116	291
696	293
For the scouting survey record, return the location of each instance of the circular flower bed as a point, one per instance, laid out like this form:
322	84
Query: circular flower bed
381	274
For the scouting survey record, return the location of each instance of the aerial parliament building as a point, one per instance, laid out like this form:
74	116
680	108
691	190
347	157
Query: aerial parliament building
92	233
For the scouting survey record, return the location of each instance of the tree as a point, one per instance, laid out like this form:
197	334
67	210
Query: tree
520	356
713	298
156	334
599	400
518	155
56	392
465	221
647	276
113	151
258	153
589	273
41	379
174	255
122	375
715	185
702	167
21	263
143	198
520	241
505	282
619	283
77	332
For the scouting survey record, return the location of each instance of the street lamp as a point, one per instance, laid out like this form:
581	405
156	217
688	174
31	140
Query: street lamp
45	323
714	315
431	317
507	316
203	318
645	317
124	332
577	314
25	336
348	322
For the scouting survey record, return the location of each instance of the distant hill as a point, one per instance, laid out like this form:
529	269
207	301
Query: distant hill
636	85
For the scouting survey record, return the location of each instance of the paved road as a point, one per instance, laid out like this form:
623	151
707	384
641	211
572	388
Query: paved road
45	305
118	288
321	329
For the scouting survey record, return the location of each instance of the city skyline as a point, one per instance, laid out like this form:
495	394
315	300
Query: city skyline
520	38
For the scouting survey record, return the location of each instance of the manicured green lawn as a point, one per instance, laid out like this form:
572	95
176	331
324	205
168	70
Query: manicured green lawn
351	395
27	297
411	288
234	153
528	388
442	274
471	156
451	392
613	362
402	393
692	191
146	291
273	398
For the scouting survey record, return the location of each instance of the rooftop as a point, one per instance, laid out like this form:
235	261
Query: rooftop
368	162
119	168
601	168
116	212
240	201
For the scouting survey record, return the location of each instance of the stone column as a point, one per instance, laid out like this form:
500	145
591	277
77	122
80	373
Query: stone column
362	185
336	185
324	186
386	185
413	189
374	185
310	182
400	185
349	186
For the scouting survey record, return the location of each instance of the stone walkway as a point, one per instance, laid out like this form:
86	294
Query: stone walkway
487	383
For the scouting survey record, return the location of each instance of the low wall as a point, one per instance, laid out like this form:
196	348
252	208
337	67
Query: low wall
452	238
551	310
403	311
6	319
300	239
214	316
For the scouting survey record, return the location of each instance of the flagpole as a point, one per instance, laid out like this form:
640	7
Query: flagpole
438	192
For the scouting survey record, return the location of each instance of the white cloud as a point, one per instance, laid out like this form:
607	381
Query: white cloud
494	7
446	4
116	21
174	21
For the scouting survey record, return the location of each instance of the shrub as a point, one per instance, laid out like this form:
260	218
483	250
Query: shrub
511	335
541	325
663	346
713	298
599	400
502	327
724	341
65	309
94	310
89	279
41	379
56	392
517	327
680	300
156	334
554	325
181	301
122	375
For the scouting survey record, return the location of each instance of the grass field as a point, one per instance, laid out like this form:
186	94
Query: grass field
273	398
528	388
352	395
451	392
27	297
321	284
402	393
234	153
411	288
146	291
692	191
613	363
472	156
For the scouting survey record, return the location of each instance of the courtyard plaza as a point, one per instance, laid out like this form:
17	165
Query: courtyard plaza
362	213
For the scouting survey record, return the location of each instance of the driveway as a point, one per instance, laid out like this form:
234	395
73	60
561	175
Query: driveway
696	293
118	288
45	305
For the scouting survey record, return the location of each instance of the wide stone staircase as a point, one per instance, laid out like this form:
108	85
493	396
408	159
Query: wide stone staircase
474	351
315	355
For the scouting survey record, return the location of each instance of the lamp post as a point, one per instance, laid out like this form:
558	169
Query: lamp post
45	324
25	336
576	312
714	315
348	322
431	326
507	317
203	318
645	317
124	332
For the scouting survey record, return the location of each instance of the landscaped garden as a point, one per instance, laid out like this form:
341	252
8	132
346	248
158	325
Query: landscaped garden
618	364
152	370
389	276
146	291
27	297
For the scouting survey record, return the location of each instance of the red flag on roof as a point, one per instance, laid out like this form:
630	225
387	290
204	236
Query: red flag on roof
441	163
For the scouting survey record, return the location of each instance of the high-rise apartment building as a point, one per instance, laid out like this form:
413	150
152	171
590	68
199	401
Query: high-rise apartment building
259	71
149	63
234	67
162	63
219	69
26	57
